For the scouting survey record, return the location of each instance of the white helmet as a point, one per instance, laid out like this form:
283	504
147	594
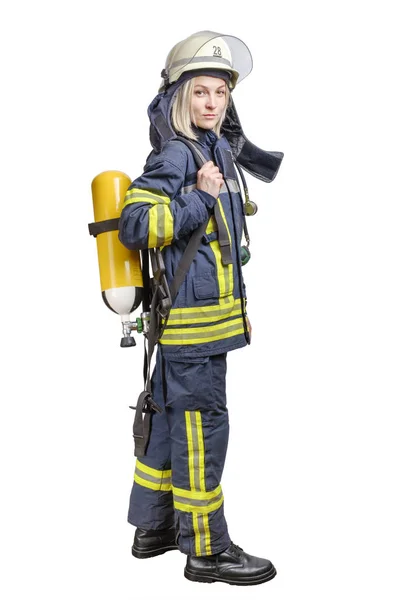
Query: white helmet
208	50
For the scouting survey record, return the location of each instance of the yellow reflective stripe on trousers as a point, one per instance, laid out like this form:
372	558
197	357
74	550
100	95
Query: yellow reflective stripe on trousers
202	534
152	478
191	451
153	472
200	498
200	446
202	335
197	500
190	504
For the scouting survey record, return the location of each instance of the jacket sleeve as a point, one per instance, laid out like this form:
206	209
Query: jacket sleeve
155	213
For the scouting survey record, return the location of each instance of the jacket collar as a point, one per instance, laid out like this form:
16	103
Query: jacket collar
205	137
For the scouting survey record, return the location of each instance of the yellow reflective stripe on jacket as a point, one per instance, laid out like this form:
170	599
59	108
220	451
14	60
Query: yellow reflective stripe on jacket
152	478
205	314
137	195
201	335
224	272
161	222
228	269
161	226
212	225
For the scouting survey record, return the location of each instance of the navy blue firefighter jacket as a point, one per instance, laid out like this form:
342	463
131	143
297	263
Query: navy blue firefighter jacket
163	207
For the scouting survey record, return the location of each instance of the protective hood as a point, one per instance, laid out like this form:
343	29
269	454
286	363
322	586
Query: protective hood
260	163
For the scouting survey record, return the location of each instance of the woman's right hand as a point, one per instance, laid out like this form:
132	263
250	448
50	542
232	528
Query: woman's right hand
209	179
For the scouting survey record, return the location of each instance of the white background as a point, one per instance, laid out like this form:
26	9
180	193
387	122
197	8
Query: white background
312	473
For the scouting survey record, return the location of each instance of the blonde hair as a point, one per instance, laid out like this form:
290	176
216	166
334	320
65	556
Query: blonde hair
182	115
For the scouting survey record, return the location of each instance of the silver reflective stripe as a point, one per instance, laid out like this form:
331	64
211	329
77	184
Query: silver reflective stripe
146	196
199	154
202	536
226	275
160	225
188	188
157	480
200	59
196	457
194	503
218	312
237	325
233	185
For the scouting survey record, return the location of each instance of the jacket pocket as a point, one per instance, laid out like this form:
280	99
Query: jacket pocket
205	286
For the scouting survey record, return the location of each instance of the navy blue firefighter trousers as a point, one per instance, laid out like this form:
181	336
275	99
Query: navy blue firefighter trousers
178	481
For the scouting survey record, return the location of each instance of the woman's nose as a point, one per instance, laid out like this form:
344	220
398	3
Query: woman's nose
211	101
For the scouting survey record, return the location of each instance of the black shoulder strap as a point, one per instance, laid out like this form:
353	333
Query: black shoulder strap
195	240
223	235
195	150
145	405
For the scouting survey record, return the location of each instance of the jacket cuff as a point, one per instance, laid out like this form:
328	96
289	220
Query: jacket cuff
208	200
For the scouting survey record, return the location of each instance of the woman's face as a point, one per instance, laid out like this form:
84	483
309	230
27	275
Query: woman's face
208	101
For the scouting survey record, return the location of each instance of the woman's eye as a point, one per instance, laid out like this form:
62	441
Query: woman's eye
199	93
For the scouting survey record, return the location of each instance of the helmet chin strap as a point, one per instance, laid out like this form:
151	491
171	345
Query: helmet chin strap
165	77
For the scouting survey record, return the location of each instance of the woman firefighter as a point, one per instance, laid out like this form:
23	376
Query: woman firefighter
177	499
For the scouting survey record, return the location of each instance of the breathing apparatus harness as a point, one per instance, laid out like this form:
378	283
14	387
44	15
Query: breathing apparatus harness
158	298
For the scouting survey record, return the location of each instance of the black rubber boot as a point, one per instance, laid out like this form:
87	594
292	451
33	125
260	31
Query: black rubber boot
153	542
232	566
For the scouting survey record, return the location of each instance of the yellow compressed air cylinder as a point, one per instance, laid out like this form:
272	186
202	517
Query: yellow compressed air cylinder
120	272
